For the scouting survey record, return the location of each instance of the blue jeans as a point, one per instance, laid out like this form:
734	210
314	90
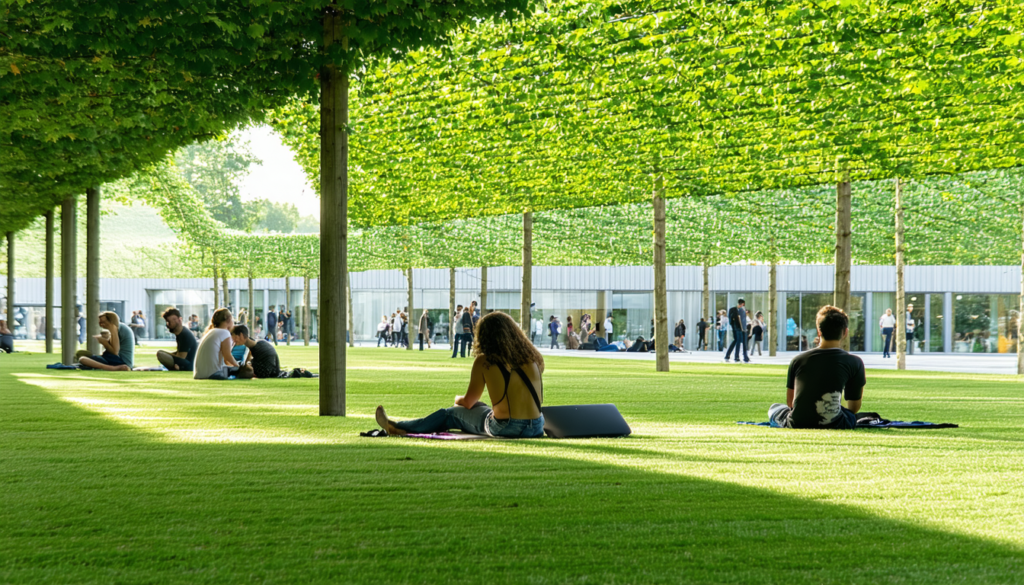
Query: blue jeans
721	339
739	338
887	332
477	420
455	344
779	414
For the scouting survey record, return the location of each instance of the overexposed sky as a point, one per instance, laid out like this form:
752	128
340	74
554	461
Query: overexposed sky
280	178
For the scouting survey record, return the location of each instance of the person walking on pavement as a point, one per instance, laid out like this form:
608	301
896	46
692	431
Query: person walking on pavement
738	324
272	324
456	330
887	324
424	329
911	327
609	329
466	332
553	328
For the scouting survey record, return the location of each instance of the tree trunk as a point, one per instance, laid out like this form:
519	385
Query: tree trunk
451	307
1020	314
224	285
49	282
252	306
773	311
306	313
705	304
526	293
412	327
901	300
216	285
483	290
661	335
288	309
334	222
92	268
841	295
10	281
68	280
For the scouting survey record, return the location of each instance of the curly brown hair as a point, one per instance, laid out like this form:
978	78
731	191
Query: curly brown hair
499	339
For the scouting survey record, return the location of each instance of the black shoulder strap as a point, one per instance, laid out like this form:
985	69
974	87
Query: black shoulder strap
529	386
508	376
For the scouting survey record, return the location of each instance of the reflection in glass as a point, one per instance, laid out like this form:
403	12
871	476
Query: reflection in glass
985	323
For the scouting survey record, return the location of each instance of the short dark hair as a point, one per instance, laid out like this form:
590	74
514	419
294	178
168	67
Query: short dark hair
741	302
171	312
831	323
240	330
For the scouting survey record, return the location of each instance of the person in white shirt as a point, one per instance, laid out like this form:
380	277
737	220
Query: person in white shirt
213	358
609	329
396	328
887	323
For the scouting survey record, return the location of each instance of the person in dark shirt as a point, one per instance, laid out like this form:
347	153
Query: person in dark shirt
819	379
702	327
272	325
183	359
466	332
262	356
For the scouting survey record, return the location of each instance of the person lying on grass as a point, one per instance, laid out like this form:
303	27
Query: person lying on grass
818	379
510	367
185	356
262	355
213	358
118	346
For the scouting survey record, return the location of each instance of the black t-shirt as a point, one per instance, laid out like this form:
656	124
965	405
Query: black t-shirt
467	324
187	344
265	363
820	377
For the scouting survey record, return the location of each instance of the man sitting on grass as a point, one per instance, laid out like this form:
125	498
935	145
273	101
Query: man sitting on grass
819	378
262	356
181	360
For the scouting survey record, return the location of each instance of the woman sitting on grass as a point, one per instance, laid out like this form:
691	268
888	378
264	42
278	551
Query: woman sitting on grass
511	368
118	346
213	358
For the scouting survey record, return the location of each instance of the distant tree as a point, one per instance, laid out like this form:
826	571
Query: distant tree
277	217
214	169
308	225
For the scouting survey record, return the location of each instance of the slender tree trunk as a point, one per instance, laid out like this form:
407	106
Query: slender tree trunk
901	298
841	296
526	294
224	286
451	307
660	293
705	304
1020	314
92	268
305	310
68	280
483	290
287	308
216	285
252	305
773	311
334	221
10	281
49	282
413	323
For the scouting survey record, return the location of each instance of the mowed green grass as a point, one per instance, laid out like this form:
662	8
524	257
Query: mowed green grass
155	478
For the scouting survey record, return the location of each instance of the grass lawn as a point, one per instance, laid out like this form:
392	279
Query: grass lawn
155	478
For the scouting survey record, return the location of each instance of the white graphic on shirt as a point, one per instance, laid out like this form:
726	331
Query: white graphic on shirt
829	406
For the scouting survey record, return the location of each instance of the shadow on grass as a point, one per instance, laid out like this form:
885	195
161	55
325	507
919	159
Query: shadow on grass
88	500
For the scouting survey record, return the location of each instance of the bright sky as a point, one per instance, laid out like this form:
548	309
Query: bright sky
280	178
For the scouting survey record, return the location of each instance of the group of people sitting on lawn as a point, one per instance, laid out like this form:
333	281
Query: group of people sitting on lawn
510	368
226	349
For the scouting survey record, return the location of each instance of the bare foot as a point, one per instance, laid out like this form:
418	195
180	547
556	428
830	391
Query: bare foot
386	423
122	368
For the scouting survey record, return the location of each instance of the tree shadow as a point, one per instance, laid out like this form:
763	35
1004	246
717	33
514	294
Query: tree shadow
88	499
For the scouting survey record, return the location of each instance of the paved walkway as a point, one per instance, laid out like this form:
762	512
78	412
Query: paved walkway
956	362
